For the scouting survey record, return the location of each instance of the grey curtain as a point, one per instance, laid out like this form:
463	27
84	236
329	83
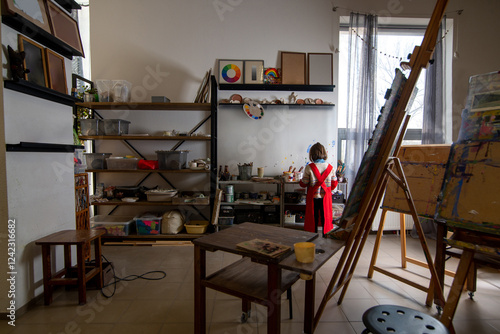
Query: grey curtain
361	113
434	122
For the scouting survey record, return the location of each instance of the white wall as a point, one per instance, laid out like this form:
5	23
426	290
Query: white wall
39	186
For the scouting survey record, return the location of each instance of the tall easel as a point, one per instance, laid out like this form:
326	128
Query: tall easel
357	226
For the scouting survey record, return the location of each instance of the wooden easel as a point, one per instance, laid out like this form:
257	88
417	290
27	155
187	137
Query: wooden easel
360	224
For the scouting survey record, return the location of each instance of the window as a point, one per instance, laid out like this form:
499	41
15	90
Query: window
395	42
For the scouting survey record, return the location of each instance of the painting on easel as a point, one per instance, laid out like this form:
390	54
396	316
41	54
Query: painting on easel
367	171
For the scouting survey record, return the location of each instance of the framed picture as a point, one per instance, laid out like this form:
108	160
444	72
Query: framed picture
32	10
231	71
320	68
293	68
34	61
56	71
64	27
254	71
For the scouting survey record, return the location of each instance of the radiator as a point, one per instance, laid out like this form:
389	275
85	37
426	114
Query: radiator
392	221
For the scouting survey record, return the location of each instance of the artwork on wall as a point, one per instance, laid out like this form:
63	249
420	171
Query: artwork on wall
254	71
64	27
231	71
34	61
32	10
320	67
56	72
293	68
272	75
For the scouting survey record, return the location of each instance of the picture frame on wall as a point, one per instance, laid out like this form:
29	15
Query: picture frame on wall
254	71
231	71
320	68
64	27
32	10
56	71
293	68
34	61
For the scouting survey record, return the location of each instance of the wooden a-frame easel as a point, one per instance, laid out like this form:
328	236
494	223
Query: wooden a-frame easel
361	223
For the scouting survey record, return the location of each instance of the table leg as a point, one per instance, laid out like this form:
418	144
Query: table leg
274	298
47	275
82	292
98	261
200	297
309	305
439	261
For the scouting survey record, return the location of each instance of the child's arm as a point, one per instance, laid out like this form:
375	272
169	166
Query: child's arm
305	178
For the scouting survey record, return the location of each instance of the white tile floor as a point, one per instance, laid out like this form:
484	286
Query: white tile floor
166	306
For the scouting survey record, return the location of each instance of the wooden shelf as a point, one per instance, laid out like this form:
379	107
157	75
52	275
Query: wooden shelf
152	237
249	203
181	171
45	93
68	4
144	203
299	88
132	137
145	106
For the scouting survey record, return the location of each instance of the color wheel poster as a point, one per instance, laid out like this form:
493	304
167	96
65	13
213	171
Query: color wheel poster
230	71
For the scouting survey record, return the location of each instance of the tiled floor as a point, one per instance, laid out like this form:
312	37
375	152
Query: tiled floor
166	306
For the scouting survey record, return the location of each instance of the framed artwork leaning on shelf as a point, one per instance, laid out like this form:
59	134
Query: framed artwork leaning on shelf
64	27
32	10
34	61
320	66
293	68
231	71
254	71
56	71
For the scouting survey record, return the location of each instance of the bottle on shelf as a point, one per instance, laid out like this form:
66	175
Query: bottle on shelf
226	175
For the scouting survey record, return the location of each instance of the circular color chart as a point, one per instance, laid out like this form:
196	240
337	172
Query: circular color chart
231	73
253	110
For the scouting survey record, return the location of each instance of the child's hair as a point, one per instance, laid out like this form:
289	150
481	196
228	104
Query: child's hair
317	151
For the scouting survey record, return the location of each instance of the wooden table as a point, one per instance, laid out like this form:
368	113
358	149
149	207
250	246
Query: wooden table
67	238
256	277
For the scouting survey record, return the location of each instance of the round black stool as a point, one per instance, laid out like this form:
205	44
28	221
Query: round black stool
398	319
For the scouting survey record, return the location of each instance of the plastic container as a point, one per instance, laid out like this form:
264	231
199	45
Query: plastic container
172	159
96	160
104	90
91	127
113	225
196	226
115	127
148	224
226	220
122	163
120	92
304	251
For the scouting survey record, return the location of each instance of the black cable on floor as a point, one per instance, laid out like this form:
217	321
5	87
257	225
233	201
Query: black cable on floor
130	278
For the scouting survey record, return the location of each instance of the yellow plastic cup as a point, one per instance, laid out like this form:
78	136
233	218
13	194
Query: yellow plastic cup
304	251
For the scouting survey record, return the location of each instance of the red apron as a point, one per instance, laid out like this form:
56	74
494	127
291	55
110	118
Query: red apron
327	201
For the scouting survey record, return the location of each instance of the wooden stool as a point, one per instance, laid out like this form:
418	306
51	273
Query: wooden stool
79	238
398	319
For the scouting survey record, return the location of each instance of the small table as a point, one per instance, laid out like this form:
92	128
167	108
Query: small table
249	278
67	238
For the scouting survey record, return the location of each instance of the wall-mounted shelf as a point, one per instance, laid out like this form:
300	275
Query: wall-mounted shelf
144	106
291	88
42	147
39	35
146	203
181	171
68	5
45	93
295	105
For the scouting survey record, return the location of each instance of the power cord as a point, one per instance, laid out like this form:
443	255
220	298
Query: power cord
129	278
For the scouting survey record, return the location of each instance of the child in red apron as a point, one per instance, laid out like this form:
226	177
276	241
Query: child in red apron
319	178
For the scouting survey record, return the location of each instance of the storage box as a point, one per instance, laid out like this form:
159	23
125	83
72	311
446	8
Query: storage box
196	226
96	160
148	224
91	127
113	225
115	127
126	191
226	220
172	159
122	163
120	91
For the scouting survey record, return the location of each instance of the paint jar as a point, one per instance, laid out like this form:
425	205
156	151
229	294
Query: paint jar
229	189
260	171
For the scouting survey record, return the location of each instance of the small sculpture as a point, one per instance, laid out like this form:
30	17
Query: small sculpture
292	99
16	60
